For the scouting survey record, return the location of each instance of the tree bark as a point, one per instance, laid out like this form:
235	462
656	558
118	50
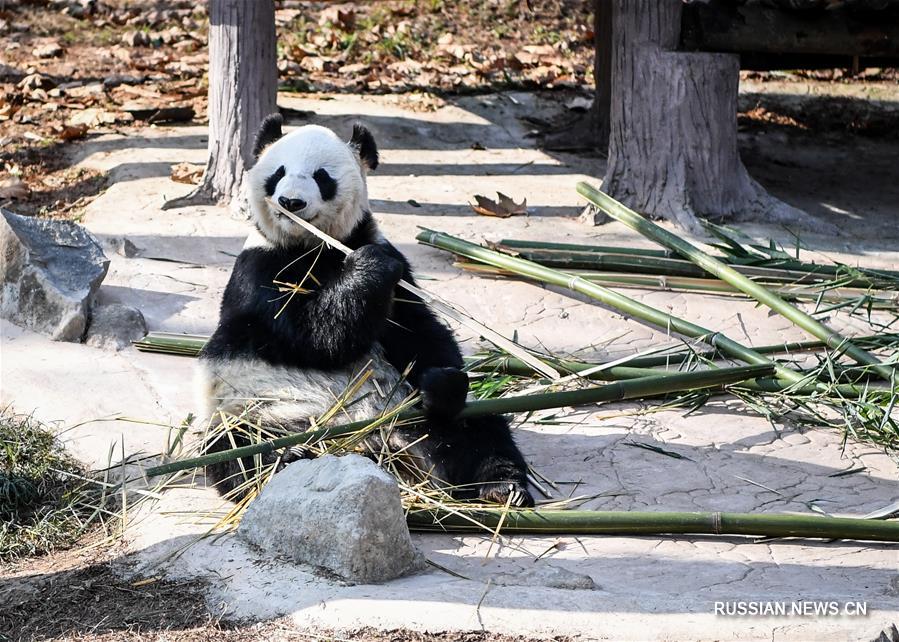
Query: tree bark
673	139
243	85
602	70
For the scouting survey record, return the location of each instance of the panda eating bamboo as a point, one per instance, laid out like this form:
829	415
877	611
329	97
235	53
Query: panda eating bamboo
301	324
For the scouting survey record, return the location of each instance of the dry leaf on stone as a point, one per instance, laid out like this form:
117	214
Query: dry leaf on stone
503	207
188	173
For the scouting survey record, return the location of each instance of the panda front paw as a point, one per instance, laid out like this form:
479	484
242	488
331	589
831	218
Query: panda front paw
372	259
443	392
499	493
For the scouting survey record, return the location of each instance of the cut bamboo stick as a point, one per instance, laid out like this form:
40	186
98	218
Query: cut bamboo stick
433	301
652	523
512	366
818	270
674	267
609	297
726	273
191	344
706	286
618	391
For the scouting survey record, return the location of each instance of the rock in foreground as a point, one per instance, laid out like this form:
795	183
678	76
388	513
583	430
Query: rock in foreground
49	274
340	513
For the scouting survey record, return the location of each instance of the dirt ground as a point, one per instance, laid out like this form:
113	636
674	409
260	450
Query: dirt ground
80	595
73	71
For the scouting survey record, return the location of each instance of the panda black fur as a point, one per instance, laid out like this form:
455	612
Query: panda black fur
296	362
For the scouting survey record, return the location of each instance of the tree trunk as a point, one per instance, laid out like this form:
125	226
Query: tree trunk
590	131
243	85
673	139
602	70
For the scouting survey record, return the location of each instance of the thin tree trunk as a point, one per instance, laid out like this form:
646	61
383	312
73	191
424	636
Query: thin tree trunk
602	70
673	139
243	84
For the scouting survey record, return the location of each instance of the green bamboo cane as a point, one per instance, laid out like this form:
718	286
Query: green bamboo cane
517	244
503	364
727	274
816	269
618	391
191	345
609	297
656	265
693	284
651	523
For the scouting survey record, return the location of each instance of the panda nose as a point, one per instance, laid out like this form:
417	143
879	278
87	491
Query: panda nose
291	204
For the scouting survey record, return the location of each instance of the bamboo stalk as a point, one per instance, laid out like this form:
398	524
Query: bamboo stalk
609	297
617	391
652	523
726	273
654	265
510	365
516	244
792	265
432	300
191	344
693	284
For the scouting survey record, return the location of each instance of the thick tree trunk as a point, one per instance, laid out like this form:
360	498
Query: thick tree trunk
243	85
673	139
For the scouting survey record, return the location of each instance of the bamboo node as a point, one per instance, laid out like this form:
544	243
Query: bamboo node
716	522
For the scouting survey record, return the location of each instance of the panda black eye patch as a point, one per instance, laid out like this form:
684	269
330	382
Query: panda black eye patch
326	185
272	181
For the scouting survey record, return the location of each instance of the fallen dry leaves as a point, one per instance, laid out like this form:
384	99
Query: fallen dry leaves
503	207
188	173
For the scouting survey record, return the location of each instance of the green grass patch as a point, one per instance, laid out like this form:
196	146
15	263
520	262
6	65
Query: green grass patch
46	500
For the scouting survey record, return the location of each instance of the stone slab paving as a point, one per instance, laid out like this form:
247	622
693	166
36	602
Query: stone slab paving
646	587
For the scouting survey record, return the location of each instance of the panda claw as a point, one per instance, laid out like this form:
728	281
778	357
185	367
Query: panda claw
514	493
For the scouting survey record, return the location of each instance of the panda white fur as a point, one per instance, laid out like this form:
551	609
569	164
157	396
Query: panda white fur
277	360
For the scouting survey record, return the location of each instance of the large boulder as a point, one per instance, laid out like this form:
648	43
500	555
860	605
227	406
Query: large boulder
49	274
340	513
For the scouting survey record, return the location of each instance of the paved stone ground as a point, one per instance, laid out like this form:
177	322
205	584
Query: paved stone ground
647	588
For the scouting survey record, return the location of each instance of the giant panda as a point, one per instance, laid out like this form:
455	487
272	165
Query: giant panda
278	360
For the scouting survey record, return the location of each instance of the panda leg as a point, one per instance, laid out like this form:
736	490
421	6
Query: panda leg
475	458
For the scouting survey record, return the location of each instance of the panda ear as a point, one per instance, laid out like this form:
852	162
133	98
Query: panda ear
268	133
365	144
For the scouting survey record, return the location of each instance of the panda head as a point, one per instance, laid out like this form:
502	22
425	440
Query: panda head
313	174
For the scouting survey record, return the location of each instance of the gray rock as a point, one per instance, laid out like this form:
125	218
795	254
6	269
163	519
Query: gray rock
546	575
115	326
49	274
340	513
